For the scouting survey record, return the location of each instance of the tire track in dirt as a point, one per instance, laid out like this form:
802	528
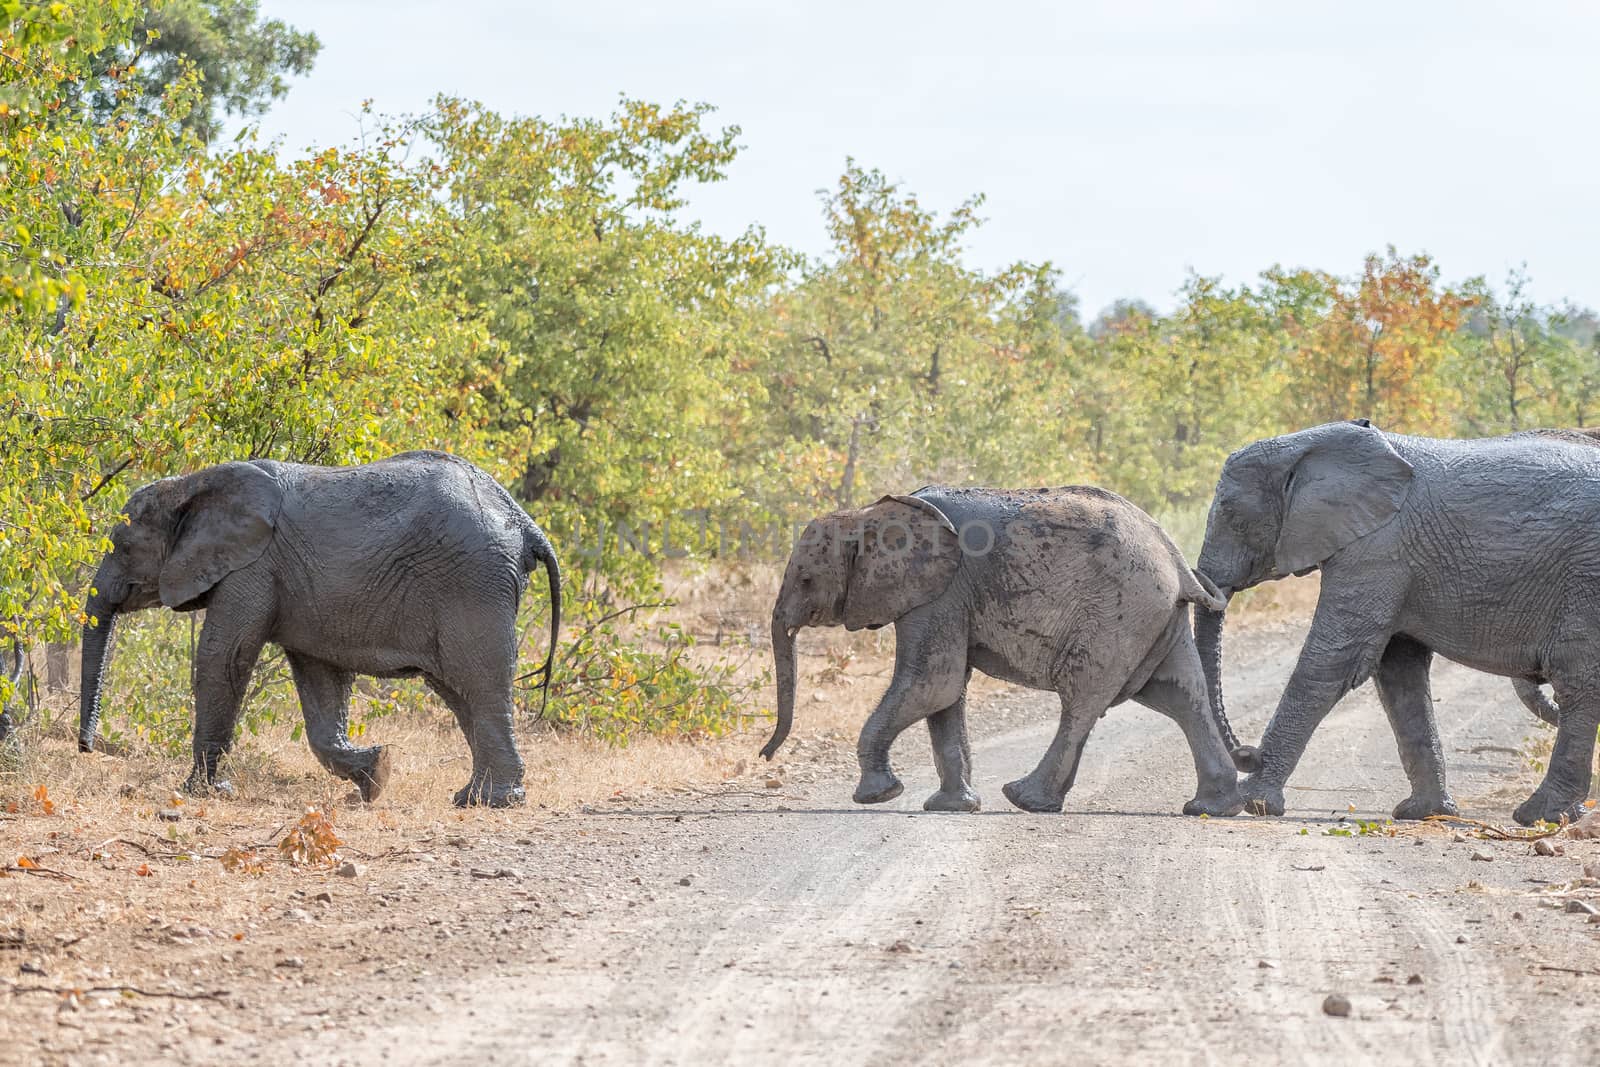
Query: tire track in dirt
1118	932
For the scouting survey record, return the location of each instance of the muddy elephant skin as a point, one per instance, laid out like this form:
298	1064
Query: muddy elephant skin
1072	590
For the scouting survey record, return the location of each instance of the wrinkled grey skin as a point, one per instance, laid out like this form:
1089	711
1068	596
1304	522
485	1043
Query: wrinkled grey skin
1072	590
408	567
1486	552
1533	698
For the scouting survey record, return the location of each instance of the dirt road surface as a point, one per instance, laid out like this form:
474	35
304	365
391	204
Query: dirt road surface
784	925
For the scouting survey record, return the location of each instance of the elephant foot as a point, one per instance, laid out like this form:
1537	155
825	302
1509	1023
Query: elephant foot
1215	802
1420	807
1261	798
481	794
1025	795
372	778
876	787
1545	807
952	800
196	785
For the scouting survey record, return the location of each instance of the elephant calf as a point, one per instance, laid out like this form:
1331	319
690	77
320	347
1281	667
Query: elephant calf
410	566
1073	590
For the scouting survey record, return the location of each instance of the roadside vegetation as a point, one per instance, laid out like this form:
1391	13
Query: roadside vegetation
530	293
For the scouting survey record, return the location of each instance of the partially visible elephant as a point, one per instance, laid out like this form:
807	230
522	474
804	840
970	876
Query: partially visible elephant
19	660
1072	590
1533	698
408	567
1486	552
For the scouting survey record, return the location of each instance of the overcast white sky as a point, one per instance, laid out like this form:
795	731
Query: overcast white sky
1125	141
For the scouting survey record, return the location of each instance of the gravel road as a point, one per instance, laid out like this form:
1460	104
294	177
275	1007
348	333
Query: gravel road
798	928
773	922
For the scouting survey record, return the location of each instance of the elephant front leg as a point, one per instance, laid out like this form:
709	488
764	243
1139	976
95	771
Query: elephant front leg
1404	690
1566	783
325	702
1320	679
1349	634
224	661
952	755
930	674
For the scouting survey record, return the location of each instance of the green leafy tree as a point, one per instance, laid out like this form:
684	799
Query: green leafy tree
886	344
613	381
188	307
243	61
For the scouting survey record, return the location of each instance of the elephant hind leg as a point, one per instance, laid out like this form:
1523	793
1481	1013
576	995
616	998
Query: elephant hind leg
487	719
1567	780
1405	692
325	703
1044	789
1177	689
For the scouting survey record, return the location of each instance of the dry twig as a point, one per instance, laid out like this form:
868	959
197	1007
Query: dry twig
1496	833
67	991
11	868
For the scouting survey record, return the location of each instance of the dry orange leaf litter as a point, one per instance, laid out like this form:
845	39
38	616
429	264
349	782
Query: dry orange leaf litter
27	864
311	842
243	861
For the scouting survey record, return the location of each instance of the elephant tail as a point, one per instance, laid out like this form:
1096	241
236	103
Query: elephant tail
1196	588
536	549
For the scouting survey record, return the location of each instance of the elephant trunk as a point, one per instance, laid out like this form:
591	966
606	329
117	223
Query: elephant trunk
784	668
1208	639
97	642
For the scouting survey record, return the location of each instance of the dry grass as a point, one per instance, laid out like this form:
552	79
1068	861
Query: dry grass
842	675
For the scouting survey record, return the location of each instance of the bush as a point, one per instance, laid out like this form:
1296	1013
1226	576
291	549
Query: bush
616	680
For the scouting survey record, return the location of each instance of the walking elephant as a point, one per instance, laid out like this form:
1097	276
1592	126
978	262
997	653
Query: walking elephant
1072	590
1486	552
410	566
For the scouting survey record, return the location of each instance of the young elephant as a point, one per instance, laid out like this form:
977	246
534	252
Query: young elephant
411	566
1073	590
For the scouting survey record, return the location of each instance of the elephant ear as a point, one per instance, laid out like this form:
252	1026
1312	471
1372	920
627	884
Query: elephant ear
906	553
1342	489
225	519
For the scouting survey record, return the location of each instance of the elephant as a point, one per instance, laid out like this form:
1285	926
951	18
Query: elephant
411	566
1486	552
19	660
1073	590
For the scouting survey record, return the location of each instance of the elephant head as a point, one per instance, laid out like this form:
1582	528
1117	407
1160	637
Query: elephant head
180	537
1286	505
861	569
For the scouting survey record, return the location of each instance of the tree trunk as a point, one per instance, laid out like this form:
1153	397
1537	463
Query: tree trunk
57	667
